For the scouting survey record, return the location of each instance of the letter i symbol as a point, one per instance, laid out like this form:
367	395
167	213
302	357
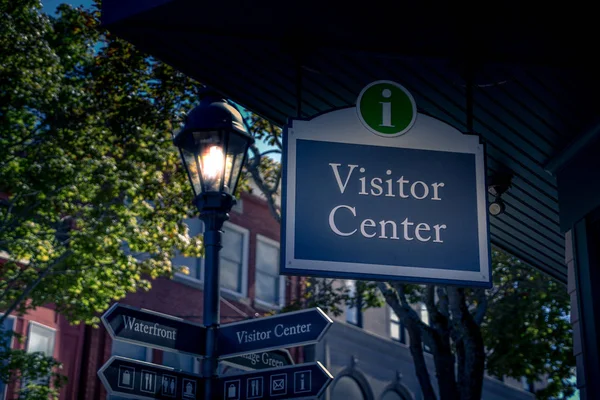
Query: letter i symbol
386	109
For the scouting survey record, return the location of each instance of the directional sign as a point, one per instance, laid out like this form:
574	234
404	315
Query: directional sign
262	360
279	331
142	380
152	329
294	382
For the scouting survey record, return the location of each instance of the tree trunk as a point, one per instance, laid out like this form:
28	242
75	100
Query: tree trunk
439	337
474	363
444	366
416	350
469	346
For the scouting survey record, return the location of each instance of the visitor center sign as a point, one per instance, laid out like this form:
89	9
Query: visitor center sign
381	192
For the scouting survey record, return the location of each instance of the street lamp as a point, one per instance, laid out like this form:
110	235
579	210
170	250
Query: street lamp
213	146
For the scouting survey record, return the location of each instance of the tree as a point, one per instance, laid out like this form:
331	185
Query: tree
92	195
519	328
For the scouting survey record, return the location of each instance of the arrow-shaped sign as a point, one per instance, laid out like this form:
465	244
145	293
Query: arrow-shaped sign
294	382
142	380
279	331
153	329
262	360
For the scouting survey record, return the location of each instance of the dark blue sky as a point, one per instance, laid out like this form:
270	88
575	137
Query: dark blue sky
49	6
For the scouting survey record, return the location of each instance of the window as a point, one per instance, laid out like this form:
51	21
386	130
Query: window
40	339
130	351
353	311
238	207
397	331
195	226
183	362
424	314
270	288
527	385
7	326
233	257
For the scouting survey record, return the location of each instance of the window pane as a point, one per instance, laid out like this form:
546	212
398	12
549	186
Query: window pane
267	272
267	258
7	326
351	312
191	262
130	351
195	226
393	316
395	331
424	314
179	361
232	246
267	288
231	275
40	339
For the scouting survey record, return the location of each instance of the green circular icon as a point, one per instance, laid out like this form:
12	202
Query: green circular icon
386	108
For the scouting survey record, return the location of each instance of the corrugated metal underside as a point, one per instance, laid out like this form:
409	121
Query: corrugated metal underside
524	115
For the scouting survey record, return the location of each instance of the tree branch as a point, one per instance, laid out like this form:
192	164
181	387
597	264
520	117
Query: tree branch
482	304
441	348
396	299
277	140
443	301
265	153
252	166
33	285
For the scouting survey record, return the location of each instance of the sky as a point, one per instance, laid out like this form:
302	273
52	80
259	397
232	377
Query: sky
49	6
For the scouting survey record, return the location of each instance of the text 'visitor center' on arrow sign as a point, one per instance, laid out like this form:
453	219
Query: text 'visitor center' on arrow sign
279	331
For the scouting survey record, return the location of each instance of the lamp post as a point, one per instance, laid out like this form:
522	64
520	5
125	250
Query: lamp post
213	146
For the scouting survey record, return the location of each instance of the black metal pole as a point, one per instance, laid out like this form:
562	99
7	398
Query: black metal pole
214	208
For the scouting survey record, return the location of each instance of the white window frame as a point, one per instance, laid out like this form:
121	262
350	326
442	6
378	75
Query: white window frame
259	302
199	282
401	329
351	285
32	323
14	325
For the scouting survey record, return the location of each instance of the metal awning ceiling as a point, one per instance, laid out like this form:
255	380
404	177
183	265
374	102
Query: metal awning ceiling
531	98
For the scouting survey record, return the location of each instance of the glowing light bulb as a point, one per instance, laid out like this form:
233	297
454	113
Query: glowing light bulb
213	162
